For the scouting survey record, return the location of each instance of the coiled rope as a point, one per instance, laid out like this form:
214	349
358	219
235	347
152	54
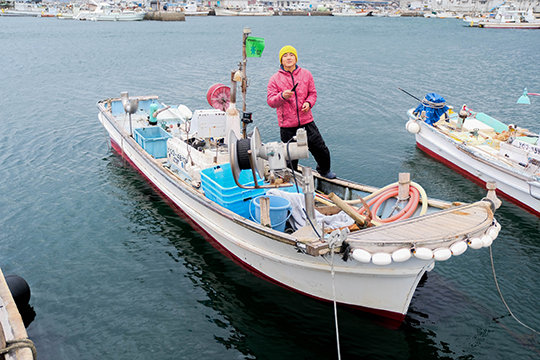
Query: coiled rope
432	104
502	298
19	344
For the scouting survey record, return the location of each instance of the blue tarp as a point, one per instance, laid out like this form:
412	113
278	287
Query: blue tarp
434	105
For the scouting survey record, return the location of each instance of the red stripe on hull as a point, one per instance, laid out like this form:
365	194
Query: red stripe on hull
475	179
388	319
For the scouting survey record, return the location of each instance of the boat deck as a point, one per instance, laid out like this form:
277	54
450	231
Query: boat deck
452	224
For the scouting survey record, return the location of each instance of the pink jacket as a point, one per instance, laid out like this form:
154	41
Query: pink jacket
289	112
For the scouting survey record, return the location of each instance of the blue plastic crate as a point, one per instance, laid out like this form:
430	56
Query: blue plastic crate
152	139
219	186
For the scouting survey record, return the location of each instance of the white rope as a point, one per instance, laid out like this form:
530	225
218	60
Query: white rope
433	105
502	298
335	304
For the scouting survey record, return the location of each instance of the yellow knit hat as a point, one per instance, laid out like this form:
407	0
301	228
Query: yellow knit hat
287	49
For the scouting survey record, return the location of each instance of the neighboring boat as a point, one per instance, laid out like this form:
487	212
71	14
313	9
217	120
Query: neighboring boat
195	159
249	10
508	18
481	148
351	11
107	12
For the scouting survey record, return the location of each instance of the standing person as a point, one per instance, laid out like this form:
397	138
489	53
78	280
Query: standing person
291	91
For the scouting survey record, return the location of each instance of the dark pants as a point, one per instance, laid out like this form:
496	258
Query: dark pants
316	146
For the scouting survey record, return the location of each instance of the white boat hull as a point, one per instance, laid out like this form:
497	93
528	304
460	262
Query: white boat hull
497	25
378	286
116	17
227	12
382	290
513	186
352	14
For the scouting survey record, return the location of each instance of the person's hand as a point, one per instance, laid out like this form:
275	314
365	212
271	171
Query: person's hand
305	107
287	94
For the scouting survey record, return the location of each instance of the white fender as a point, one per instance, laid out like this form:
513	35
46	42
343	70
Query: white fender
401	255
442	254
493	232
476	243
458	248
487	240
381	259
423	253
184	112
361	255
412	126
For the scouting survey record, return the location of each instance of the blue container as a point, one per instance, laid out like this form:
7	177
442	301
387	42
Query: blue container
280	210
219	186
152	139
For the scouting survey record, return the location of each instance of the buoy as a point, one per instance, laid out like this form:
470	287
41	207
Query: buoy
19	290
476	243
381	259
412	127
487	240
442	254
423	253
458	248
401	255
493	232
361	255
184	112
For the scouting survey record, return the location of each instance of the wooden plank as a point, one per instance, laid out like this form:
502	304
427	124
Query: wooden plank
359	219
265	211
444	224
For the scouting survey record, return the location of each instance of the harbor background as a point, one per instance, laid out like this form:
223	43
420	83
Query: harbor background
115	273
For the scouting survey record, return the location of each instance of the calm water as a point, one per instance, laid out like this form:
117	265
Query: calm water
116	274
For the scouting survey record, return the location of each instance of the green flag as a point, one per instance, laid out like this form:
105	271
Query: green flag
254	46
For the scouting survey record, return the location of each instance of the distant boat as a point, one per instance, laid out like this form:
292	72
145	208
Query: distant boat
17	13
441	15
506	18
25	10
250	10
106	12
191	9
352	12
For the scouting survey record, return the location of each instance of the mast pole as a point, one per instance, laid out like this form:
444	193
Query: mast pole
247	32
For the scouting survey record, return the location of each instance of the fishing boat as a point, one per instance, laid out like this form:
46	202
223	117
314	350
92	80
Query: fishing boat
481	148
107	12
191	9
508	18
351	12
333	240
249	10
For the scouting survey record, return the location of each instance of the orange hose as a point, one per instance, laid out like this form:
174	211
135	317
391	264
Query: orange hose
405	213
